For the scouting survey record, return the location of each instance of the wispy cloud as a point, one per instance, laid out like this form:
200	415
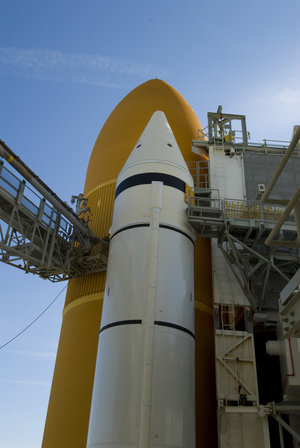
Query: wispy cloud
273	105
34	354
52	65
26	382
289	95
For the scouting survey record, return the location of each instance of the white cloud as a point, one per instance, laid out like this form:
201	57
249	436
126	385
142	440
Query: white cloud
26	382
47	355
289	96
273	105
81	68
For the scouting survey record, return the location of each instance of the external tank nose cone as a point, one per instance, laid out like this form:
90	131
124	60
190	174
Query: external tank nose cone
157	144
127	122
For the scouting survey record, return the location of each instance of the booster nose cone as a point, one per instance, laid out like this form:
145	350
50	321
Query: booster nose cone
156	157
156	150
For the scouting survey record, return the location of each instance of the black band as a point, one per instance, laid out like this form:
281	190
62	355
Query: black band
129	227
119	323
164	226
177	327
148	178
139	321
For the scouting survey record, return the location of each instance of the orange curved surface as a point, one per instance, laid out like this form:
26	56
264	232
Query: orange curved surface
127	122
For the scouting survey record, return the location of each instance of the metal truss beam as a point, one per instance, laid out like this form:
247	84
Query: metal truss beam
38	238
241	229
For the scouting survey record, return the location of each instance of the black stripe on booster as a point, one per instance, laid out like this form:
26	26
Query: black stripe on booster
133	226
148	178
164	226
177	327
139	321
119	323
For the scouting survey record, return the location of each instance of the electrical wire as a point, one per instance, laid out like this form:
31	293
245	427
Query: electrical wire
34	320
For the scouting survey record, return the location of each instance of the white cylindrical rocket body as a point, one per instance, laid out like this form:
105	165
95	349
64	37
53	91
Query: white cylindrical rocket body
144	379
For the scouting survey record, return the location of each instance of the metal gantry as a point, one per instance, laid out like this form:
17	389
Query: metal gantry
43	235
241	228
229	131
276	410
259	240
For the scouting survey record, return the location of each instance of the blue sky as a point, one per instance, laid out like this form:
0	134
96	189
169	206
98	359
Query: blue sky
64	66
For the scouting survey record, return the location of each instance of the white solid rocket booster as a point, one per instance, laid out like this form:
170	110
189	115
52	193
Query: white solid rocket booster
144	379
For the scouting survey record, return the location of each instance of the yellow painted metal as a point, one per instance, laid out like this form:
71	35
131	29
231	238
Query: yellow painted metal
189	192
69	405
239	209
127	122
72	385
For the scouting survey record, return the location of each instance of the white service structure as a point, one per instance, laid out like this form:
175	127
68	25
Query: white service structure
144	380
239	426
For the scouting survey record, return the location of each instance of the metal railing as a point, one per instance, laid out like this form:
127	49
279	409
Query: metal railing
37	237
235	209
200	172
32	203
236	140
244	209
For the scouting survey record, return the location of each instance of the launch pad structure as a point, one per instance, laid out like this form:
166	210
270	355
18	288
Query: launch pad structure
249	210
254	226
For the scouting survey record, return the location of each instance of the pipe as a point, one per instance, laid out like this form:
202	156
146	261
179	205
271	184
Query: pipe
283	217
292	364
146	405
287	407
282	164
297	218
287	427
273	348
281	436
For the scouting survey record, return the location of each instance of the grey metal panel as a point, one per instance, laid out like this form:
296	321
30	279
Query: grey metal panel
259	169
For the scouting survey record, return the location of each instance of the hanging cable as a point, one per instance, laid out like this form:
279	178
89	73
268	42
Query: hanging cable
34	320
